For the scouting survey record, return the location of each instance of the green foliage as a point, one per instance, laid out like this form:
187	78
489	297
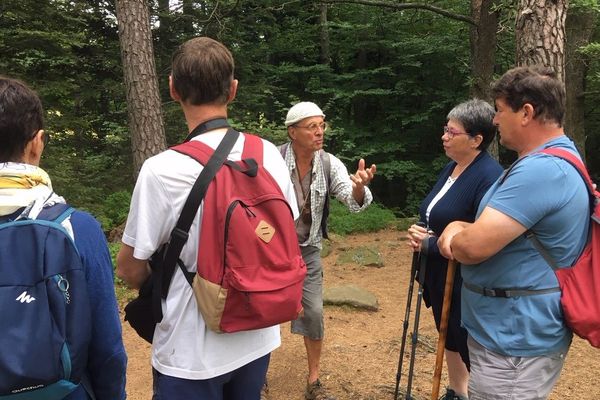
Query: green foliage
122	292
373	218
116	207
92	181
113	249
578	5
389	80
402	224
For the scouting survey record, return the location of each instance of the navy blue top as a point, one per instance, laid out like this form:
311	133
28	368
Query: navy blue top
458	204
107	361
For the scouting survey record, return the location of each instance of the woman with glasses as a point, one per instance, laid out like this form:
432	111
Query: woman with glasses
461	184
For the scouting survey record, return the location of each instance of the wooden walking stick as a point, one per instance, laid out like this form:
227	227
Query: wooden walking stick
439	357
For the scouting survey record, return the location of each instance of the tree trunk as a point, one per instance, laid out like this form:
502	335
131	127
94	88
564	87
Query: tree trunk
141	83
483	47
165	27
483	53
579	27
325	57
540	34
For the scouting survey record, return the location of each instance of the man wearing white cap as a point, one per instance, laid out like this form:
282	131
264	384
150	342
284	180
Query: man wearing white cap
316	174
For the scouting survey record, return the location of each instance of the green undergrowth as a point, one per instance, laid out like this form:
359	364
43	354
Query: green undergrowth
372	219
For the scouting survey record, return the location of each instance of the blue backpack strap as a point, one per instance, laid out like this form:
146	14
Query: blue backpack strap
56	213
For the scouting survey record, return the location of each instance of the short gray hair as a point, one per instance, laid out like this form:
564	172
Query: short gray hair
477	117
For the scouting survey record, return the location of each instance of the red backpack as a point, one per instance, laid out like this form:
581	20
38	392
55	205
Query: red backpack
250	271
580	283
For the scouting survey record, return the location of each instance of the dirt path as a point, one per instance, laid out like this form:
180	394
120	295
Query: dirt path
362	348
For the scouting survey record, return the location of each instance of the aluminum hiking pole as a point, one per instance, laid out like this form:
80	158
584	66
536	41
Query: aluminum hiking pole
439	357
413	275
415	335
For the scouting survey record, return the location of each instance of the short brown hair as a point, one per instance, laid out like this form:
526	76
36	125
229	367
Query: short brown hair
536	85
21	117
202	71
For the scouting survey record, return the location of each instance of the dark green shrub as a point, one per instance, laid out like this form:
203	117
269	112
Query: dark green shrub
115	209
374	218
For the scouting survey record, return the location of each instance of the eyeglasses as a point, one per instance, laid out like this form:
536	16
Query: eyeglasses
451	132
46	138
314	126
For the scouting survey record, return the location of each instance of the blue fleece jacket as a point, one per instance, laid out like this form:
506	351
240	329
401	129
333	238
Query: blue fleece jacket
107	361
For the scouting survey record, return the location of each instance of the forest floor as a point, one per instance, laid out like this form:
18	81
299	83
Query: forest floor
362	348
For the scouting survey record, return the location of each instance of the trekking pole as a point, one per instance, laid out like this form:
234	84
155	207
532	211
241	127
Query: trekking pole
439	357
415	335
413	275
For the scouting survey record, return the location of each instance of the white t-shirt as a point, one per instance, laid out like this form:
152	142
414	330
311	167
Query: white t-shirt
183	346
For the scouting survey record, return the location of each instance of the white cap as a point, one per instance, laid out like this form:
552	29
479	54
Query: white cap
302	110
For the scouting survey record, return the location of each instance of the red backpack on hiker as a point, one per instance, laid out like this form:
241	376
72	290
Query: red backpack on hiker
580	283
250	271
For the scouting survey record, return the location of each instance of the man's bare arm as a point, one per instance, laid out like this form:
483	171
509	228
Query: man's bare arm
131	270
476	242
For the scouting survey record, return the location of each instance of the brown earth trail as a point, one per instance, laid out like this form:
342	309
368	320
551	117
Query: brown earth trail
362	348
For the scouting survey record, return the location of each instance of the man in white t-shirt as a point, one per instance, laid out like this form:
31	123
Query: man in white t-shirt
190	361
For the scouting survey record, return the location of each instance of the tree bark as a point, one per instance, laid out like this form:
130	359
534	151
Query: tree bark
579	28
540	34
483	41
141	83
483	47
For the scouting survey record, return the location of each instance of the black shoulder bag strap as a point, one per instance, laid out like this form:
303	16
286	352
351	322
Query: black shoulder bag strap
179	234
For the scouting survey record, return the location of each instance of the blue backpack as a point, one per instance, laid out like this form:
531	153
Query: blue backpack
45	326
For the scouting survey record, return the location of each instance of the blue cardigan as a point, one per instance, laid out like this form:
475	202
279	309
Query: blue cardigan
458	204
107	361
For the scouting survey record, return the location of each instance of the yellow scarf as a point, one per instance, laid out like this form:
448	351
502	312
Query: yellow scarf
38	177
21	185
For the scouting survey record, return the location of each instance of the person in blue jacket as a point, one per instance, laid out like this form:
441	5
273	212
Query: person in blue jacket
455	197
24	186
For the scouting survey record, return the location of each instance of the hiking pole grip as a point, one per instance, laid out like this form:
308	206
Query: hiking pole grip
439	357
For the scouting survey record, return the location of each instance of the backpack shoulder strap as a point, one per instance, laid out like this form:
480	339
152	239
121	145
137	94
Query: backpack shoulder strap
326	162
56	213
253	148
575	162
283	148
580	167
197	150
180	233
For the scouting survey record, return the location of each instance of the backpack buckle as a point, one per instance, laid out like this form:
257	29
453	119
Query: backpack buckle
179	235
